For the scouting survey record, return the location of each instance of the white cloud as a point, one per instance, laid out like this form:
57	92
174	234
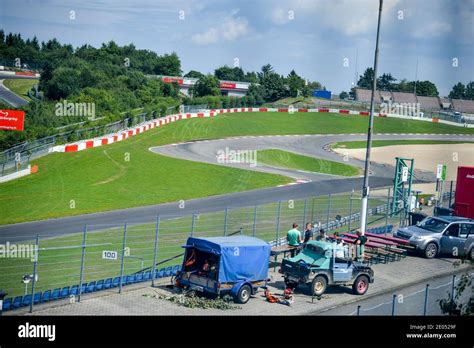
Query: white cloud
353	17
432	29
234	28
279	16
230	30
209	37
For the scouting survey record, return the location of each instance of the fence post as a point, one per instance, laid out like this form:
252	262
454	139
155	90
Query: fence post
312	210
254	230
155	250
350	211
35	270
225	221
304	212
83	258
453	290
193	224
393	304
358	310
277	240
427	289
329	210
386	210
123	256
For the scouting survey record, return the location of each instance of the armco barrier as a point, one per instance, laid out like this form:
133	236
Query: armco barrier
141	128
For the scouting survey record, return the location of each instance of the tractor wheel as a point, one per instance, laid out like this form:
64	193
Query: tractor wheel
319	285
243	296
431	250
361	285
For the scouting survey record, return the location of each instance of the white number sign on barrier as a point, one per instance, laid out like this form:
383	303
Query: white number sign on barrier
109	255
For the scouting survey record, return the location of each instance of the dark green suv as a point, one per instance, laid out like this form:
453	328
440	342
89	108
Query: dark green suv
321	264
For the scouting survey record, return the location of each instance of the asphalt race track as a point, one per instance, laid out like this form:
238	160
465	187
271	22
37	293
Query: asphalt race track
205	151
10	97
7	95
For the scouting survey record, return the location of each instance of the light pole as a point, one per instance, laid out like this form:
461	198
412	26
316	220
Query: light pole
365	188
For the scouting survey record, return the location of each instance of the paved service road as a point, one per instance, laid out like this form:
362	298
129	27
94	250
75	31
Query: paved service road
311	145
410	300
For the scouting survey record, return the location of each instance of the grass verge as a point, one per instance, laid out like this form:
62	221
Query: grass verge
126	174
285	159
20	86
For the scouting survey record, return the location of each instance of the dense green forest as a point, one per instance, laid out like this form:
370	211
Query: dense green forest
114	79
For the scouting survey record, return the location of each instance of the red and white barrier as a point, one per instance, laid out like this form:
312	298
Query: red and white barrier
141	128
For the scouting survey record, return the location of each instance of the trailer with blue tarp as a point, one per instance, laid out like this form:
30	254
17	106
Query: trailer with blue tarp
236	265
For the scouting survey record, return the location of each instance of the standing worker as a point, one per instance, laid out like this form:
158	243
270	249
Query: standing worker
308	233
294	238
359	243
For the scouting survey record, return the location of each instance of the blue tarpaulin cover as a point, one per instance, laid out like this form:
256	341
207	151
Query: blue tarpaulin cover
241	257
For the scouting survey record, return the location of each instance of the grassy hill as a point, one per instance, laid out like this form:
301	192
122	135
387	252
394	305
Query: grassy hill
101	179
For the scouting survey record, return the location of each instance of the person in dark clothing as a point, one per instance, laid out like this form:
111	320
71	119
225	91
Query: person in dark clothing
308	233
361	239
359	243
322	235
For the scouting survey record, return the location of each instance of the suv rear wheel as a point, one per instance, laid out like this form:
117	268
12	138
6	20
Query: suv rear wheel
319	285
431	250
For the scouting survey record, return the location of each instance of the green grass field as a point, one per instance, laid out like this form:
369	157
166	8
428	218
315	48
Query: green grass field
380	143
285	159
60	267
20	86
127	174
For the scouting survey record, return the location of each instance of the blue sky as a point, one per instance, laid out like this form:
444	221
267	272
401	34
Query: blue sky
317	38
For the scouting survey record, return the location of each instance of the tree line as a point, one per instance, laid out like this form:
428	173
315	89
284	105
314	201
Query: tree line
114	78
387	82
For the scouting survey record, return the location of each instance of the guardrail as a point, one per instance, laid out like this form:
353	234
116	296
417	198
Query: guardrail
115	255
114	251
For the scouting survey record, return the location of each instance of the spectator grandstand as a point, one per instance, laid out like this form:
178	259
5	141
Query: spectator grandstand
386	96
400	97
363	95
429	103
461	105
426	103
445	103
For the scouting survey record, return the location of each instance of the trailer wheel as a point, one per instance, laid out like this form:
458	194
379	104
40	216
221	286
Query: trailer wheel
361	285
319	285
471	254
243	296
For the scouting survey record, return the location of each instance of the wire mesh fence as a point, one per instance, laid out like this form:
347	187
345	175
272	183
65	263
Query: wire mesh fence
421	301
111	256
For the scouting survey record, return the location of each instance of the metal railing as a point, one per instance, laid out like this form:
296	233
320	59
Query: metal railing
423	301
109	251
114	251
